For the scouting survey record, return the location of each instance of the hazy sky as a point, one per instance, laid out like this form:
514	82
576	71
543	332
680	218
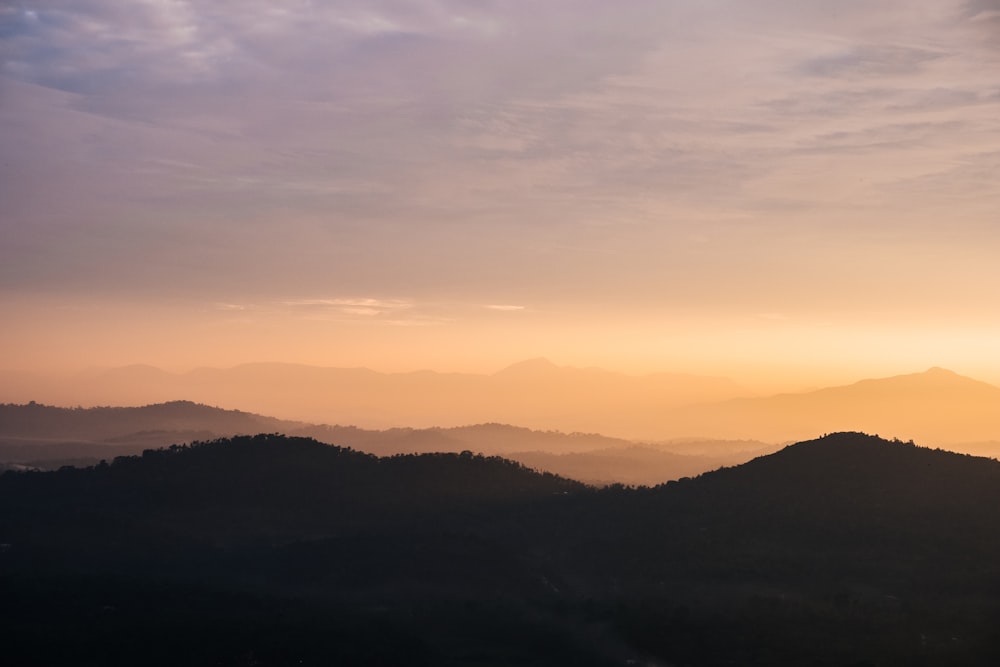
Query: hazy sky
803	188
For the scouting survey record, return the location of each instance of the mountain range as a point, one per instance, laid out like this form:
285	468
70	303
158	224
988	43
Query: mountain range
47	437
935	407
270	550
535	393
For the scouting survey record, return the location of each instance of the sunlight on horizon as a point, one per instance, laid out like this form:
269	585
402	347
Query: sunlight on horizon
790	196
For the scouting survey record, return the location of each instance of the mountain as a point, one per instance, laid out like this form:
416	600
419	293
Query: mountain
848	549
844	550
48	437
103	423
936	407
847	473
536	394
492	439
270	550
267	484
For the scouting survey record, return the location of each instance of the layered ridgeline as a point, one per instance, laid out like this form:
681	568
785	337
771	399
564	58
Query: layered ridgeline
936	407
536	394
48	437
849	549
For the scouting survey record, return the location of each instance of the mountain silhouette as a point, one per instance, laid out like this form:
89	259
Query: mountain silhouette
49	422
48	437
261	483
845	471
936	407
536	394
847	549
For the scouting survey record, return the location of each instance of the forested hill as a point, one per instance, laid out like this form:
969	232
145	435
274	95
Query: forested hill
848	500
47	438
844	550
852	471
266	484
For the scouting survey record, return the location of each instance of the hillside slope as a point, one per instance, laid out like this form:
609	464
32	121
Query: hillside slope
848	549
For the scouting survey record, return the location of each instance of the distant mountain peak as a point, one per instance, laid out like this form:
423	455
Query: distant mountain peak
942	372
935	376
536	365
944	377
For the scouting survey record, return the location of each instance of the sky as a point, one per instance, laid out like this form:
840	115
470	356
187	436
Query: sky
783	192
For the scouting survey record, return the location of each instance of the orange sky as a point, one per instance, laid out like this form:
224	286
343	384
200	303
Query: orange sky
788	193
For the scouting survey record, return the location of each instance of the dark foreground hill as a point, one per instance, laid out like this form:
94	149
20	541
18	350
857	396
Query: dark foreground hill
244	489
847	550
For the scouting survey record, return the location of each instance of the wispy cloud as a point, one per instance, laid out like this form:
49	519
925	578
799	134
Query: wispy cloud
451	150
363	307
870	60
983	10
504	307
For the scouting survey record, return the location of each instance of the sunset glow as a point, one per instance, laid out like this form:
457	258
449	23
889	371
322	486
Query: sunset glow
787	194
580	333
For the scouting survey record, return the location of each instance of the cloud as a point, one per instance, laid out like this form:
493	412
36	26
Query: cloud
982	17
385	312
946	98
450	150
87	45
365	307
91	46
359	303
983	11
504	308
870	60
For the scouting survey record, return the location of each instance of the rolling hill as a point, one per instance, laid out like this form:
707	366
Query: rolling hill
848	549
48	437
